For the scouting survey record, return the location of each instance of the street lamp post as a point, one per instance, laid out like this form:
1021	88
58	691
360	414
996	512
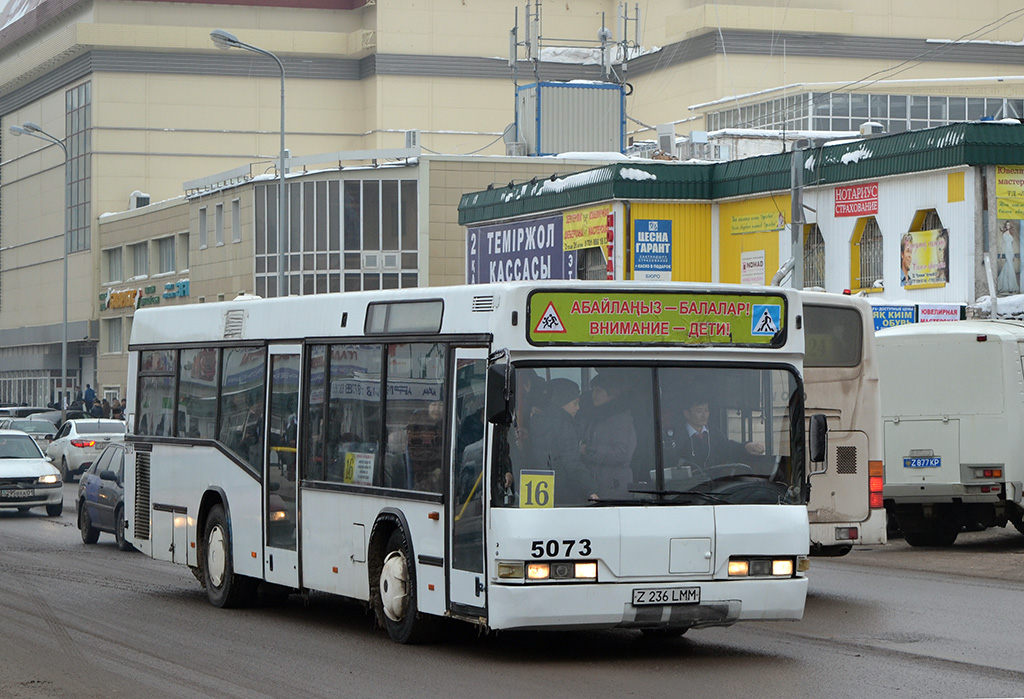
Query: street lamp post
227	40
30	129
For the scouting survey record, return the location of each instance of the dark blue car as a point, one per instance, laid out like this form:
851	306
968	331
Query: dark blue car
101	497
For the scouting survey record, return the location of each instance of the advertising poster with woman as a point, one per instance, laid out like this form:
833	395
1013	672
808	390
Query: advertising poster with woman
1007	248
924	259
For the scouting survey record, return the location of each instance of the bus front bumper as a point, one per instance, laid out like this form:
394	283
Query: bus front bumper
572	606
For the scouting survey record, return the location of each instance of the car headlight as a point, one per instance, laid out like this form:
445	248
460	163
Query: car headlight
49	479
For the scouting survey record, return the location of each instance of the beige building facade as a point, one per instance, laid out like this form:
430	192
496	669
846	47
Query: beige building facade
212	244
145	102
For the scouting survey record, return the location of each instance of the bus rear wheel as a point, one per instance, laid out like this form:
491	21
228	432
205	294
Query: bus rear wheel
396	590
224	588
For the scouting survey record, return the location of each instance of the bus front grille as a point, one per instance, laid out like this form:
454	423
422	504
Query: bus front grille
142	494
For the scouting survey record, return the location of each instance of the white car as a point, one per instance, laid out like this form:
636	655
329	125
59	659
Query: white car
79	442
27	478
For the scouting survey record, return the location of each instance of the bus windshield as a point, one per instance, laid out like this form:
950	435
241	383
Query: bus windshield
642	435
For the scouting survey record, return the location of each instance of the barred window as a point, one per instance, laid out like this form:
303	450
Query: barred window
870	255
814	258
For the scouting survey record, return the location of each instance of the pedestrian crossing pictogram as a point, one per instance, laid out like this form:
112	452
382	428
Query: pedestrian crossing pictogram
765	320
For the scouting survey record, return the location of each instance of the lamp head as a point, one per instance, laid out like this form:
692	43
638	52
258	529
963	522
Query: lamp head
32	127
18	130
224	40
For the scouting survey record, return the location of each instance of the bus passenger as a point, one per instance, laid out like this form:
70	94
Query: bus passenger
556	444
609	438
425	435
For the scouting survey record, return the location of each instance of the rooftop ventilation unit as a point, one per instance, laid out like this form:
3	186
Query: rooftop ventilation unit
137	200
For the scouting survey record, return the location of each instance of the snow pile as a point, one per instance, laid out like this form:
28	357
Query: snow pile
1007	306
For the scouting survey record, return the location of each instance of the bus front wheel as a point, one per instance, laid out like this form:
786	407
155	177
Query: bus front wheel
396	588
224	587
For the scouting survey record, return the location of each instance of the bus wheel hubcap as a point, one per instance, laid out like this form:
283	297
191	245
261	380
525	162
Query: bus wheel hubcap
216	556
394	586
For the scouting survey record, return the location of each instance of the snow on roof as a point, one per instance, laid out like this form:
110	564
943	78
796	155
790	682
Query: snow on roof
855	156
591	56
631	173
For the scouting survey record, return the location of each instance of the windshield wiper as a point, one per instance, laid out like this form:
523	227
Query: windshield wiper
706	496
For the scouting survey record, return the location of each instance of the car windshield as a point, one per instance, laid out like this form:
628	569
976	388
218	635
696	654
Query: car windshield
86	427
641	435
17	446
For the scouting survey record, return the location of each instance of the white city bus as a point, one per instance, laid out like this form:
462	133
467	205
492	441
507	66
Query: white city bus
405	448
841	381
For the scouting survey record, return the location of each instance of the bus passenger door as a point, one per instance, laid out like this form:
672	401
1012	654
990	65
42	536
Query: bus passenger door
467	581
280	480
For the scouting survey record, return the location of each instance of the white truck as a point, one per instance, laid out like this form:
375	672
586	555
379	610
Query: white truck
953	414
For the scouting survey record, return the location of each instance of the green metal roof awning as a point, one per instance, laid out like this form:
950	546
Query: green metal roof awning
954	145
676	181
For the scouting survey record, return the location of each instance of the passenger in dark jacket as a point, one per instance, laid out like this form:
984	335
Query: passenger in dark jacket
556	444
609	438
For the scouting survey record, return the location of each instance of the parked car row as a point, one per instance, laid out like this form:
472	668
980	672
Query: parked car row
28	479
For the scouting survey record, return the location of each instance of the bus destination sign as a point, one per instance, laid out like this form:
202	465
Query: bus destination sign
630	318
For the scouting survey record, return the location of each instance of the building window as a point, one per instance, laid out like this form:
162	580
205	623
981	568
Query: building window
366	229
867	255
591	264
183	239
165	254
814	257
112	269
218	224
202	228
78	127
236	224
839	111
113	339
140	259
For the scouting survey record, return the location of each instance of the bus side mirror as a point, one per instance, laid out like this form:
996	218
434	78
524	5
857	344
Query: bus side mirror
498	395
817	441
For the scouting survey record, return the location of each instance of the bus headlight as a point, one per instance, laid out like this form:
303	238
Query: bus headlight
761	567
547	570
538	571
511	570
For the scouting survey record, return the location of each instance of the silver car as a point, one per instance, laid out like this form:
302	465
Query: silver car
27	478
39	430
79	442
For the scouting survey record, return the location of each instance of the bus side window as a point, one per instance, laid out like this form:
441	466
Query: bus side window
415	412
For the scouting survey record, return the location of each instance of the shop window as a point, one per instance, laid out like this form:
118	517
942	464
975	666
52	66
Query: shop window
866	256
814	257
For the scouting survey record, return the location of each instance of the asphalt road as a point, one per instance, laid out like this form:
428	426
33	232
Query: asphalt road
90	621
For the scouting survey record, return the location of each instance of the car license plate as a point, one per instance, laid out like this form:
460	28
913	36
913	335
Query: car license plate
922	462
20	493
665	595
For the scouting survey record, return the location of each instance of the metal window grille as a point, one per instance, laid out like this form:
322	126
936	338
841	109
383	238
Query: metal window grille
870	255
814	258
